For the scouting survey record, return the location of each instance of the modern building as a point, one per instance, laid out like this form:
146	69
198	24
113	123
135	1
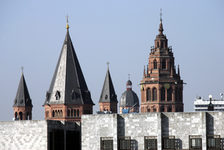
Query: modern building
108	97
129	102
153	131
161	86
22	106
201	104
68	96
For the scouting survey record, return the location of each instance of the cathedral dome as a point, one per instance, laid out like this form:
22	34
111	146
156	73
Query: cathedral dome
129	98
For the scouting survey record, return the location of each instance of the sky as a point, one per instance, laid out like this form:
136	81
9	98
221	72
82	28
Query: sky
120	32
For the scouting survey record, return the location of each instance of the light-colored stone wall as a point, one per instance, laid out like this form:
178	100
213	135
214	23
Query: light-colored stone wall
23	135
179	124
95	126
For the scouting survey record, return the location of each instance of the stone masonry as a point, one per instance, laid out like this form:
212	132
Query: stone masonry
181	125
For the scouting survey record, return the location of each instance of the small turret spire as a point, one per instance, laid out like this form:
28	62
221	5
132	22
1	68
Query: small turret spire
161	23
67	25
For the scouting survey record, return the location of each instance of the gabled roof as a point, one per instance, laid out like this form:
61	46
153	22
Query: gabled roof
22	95
108	93
68	85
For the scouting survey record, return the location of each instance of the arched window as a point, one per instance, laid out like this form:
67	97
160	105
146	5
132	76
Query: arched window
75	112
169	94
177	97
148	94
57	95
53	114
78	112
72	112
155	64
162	92
163	64
161	44
16	116
20	116
68	113
61	113
154	94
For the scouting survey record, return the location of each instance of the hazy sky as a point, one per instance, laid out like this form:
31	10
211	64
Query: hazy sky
118	31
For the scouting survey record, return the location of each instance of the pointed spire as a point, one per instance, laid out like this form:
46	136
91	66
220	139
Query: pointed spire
161	23
144	71
22	95
68	80
108	93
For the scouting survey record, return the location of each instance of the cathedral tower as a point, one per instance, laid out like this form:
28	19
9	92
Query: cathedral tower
161	86
68	96
22	104
108	97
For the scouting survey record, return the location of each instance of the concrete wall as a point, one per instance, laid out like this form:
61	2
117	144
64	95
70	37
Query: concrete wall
181	125
23	135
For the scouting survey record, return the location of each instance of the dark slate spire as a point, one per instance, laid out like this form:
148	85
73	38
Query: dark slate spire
22	95
68	85
108	93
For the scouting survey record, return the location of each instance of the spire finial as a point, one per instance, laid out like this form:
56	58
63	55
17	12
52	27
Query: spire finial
22	68
67	26
129	76
108	63
161	24
161	14
178	71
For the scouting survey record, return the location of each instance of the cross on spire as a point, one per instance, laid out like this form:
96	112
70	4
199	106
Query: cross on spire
67	26
108	63
129	76
161	14
22	68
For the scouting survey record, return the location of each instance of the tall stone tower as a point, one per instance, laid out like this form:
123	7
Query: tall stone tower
108	97
161	86
68	96
22	104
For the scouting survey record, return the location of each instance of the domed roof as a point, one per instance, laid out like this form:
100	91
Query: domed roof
128	99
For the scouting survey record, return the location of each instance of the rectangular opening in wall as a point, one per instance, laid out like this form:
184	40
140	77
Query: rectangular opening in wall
124	143
150	142
106	143
213	142
195	142
168	142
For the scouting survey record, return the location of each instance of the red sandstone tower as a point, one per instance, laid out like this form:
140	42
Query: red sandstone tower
22	104
108	97
68	96
161	86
